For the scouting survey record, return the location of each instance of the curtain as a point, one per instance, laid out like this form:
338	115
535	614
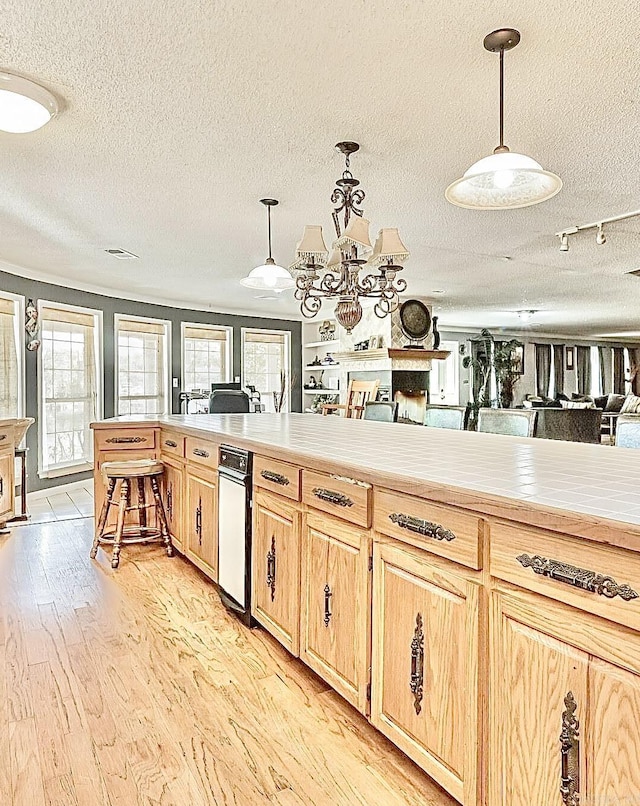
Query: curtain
618	370
606	369
9	376
583	366
543	369
634	366
558	369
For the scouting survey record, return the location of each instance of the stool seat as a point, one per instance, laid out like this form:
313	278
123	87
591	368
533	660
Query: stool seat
133	468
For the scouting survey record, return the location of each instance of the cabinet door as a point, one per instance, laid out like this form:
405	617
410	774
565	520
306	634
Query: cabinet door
7	488
539	685
425	665
172	500
202	524
336	603
276	569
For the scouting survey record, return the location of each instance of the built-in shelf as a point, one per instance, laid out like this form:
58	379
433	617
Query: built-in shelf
322	343
321	391
408	353
321	366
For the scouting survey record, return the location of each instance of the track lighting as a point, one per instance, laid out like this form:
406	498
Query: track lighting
600	237
564	241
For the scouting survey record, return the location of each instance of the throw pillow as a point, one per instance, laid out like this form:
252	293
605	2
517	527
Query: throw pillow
601	401
614	402
581	398
631	405
577	404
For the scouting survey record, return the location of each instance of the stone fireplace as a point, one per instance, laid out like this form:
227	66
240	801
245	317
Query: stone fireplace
409	388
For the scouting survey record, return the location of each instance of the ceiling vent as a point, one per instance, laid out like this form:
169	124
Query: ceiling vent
121	254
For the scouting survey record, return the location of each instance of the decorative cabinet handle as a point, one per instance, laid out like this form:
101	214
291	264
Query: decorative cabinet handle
570	753
4	436
416	683
170	499
422	527
327	604
170	443
1	486
271	568
199	521
276	478
200	452
577	577
332	497
126	440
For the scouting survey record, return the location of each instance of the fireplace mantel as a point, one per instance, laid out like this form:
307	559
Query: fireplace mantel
384	353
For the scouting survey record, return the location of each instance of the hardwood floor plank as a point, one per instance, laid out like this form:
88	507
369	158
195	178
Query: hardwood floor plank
26	778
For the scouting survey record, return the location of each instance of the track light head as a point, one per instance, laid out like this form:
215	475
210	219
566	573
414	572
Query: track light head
600	237
564	242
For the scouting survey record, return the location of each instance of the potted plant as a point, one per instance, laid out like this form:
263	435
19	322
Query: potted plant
497	358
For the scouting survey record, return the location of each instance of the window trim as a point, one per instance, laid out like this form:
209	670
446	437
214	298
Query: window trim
228	358
287	347
98	346
166	323
20	305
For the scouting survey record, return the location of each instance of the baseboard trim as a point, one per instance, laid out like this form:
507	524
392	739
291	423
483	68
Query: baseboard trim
36	495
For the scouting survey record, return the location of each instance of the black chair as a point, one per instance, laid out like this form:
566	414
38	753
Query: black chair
227	401
381	411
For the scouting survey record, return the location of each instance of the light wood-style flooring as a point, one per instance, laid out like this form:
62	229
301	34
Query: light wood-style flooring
136	687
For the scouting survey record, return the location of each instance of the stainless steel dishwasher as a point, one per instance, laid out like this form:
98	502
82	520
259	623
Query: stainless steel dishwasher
234	530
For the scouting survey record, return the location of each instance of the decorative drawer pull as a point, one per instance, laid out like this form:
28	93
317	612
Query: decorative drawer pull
327	601
577	577
416	683
170	500
170	443
570	753
271	568
4	436
200	452
332	497
199	521
276	478
422	527
126	440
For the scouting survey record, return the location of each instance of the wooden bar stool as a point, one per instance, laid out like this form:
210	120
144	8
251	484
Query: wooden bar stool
138	471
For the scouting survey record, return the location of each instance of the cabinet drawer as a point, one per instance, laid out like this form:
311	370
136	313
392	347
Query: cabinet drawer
442	530
171	443
347	498
6	437
203	452
599	579
279	477
118	439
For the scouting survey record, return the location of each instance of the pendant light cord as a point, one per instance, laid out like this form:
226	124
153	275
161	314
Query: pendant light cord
501	98
269	229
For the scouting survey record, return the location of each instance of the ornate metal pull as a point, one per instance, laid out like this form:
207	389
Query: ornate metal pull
417	665
577	577
271	568
126	440
422	527
1	486
4	436
276	478
170	499
200	452
570	750
199	521
327	602
170	443
332	497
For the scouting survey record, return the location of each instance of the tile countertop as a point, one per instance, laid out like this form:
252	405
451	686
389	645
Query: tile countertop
486	472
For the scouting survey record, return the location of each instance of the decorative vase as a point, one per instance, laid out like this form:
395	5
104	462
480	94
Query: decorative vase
436	334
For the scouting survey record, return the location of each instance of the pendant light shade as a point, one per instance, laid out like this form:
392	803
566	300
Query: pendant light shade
269	276
504	180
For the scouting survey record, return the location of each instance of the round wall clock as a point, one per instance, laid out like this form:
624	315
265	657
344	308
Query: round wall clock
415	319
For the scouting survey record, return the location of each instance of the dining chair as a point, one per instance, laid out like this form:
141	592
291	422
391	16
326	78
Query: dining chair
628	431
382	411
358	394
452	417
513	422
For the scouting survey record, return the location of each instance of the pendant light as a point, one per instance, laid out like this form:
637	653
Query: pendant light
504	180
269	276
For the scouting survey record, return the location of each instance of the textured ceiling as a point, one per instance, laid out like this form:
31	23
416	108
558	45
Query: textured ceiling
178	117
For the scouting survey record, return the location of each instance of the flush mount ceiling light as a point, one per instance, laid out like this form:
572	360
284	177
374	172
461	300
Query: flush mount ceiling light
337	276
269	276
525	316
504	180
24	105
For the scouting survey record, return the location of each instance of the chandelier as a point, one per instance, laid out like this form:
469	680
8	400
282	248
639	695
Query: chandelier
320	275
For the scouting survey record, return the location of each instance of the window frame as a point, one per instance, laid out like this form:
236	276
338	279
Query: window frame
98	346
19	302
166	369
228	357
287	354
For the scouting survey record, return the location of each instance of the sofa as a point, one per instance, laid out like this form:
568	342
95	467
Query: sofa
570	425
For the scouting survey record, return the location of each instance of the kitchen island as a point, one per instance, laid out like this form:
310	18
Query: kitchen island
474	595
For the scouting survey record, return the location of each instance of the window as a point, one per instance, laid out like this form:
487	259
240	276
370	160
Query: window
265	358
142	366
206	356
12	375
70	375
444	377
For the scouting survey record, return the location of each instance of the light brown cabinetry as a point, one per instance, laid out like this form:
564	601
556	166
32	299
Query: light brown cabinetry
565	706
425	663
201	521
172	498
7	484
336	605
276	568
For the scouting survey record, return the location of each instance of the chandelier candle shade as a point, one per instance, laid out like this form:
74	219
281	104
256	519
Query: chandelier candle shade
504	180
269	276
337	276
